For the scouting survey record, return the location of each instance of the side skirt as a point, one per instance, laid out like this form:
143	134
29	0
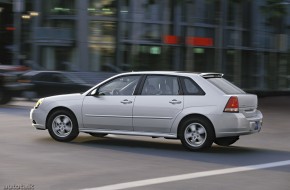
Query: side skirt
133	133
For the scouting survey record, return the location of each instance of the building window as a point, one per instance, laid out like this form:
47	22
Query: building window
189	11
63	7
102	32
125	9
102	45
102	8
146	57
151	32
152	10
203	59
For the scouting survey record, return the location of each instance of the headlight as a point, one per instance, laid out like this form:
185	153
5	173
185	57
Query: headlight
38	103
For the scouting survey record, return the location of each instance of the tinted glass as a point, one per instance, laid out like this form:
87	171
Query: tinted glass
43	77
191	88
160	85
225	86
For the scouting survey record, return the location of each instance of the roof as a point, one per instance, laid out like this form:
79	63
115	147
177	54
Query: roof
205	75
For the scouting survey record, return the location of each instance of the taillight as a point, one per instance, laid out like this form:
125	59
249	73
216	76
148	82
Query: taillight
232	105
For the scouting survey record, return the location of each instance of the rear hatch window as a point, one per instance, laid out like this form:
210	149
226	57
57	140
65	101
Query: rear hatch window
225	86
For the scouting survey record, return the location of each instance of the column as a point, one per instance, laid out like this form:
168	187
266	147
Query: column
82	35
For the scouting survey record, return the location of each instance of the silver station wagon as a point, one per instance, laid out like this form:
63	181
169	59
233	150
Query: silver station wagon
198	108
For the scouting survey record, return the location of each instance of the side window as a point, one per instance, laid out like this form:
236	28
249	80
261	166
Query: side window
160	85
56	78
120	86
42	77
52	77
191	88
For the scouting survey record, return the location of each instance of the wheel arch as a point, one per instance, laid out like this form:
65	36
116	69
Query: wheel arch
56	109
192	116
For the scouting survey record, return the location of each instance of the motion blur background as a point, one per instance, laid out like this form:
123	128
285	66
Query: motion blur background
247	40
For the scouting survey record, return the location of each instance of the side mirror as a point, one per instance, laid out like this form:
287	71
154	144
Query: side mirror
96	93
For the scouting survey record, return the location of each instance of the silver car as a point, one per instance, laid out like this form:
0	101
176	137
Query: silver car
197	108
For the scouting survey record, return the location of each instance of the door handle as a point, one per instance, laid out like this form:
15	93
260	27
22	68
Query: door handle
126	101
174	101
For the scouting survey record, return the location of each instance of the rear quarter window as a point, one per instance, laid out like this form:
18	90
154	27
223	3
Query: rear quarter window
225	86
190	87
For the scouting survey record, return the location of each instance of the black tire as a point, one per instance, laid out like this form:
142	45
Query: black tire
196	133
226	141
62	126
5	96
98	134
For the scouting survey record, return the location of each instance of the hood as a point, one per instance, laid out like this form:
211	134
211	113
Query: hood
65	97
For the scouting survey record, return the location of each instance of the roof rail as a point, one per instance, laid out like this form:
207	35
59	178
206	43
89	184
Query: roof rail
211	75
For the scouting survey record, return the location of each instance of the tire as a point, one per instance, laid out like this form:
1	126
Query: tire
226	141
5	96
98	134
196	133
62	126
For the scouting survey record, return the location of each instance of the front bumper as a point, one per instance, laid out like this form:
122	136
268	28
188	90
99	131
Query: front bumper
37	118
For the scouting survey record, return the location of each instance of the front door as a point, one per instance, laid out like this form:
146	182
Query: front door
110	107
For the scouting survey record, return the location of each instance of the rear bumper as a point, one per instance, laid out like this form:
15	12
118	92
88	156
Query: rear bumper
236	124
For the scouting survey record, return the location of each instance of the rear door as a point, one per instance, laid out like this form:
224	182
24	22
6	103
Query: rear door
158	104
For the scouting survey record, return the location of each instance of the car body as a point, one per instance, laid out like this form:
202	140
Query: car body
49	83
9	85
197	108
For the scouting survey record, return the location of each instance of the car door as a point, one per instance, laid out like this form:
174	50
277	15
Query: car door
110	106
50	83
44	84
158	104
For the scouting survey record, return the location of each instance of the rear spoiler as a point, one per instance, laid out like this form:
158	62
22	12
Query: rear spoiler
211	75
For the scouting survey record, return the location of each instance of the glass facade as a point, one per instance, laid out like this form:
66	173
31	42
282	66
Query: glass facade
63	7
228	36
106	8
102	43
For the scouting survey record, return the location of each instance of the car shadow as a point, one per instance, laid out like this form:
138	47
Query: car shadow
232	155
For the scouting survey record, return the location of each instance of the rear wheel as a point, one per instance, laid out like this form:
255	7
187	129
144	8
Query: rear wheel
196	133
62	126
226	141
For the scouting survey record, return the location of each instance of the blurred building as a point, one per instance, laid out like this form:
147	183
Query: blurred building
245	39
6	32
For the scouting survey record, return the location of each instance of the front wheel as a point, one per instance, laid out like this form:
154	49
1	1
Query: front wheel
196	133
226	141
62	126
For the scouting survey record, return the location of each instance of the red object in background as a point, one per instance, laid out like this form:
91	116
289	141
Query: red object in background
170	39
199	41
10	28
13	68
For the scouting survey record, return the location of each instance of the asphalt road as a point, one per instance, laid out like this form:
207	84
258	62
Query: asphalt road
30	159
